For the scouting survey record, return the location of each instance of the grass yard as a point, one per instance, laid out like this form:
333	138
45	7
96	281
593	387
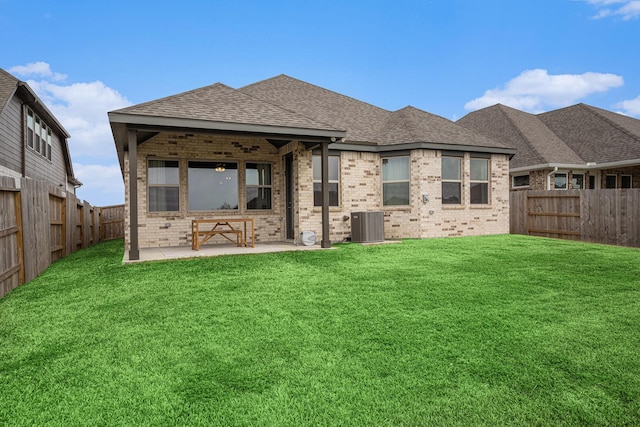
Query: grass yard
496	330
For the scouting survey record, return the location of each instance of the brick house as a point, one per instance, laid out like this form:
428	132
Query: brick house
297	157
577	147
33	144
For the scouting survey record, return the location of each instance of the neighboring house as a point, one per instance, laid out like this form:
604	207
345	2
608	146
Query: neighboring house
33	144
577	147
297	157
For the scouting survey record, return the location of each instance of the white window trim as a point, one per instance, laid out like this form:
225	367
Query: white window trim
258	186
460	181
149	185
395	181
476	181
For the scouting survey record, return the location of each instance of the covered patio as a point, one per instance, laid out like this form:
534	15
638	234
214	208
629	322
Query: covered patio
166	146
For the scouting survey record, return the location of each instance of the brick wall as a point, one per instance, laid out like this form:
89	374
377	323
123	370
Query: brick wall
360	190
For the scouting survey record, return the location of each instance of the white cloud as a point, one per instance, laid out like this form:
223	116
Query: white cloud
535	90
630	107
102	185
627	9
37	69
82	109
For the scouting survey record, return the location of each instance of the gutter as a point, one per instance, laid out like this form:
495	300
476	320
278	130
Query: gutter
555	169
579	166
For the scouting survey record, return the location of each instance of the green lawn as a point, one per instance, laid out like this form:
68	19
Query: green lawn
497	330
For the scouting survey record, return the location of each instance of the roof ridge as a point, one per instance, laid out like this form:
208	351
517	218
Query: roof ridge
164	98
404	122
281	107
533	147
594	110
318	87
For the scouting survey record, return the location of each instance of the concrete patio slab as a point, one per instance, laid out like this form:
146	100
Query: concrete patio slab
184	252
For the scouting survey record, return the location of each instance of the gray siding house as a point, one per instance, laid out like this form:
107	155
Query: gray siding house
33	144
577	147
296	157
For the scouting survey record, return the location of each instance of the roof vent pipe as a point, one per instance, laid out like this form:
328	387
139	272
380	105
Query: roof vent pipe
549	177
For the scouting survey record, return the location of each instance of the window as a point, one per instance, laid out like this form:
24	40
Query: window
451	180
395	181
577	181
30	128
560	181
479	189
164	186
334	180
39	136
610	181
258	185
213	186
38	130
625	181
521	181
592	182
49	144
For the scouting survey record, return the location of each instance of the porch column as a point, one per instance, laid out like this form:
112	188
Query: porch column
134	250
326	240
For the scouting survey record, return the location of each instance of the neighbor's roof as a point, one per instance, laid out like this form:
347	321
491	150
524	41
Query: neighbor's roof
11	86
596	135
535	142
576	135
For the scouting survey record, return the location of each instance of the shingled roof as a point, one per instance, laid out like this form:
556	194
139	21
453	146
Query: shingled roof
596	135
535	143
220	103
288	104
576	135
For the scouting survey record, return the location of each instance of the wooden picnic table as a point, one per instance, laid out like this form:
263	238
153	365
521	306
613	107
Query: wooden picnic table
204	229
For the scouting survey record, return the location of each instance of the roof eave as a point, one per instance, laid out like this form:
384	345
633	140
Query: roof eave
422	145
578	166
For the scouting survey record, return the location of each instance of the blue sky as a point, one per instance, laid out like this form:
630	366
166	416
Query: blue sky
85	58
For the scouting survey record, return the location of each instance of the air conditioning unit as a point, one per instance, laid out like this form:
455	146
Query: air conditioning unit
367	227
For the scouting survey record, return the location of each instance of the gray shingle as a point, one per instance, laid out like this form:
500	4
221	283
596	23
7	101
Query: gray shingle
220	103
534	141
361	120
597	135
414	125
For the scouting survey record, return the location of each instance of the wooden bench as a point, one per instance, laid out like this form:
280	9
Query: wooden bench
221	227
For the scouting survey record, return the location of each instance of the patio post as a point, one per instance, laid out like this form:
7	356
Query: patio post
326	240
134	250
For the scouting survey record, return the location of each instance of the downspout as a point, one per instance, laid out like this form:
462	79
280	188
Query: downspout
555	169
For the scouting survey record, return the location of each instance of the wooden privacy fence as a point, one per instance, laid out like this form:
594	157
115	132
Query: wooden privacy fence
610	216
40	223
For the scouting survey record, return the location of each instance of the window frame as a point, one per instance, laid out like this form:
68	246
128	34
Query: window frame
566	180
626	176
39	135
486	181
458	181
615	177
331	181
215	162
513	181
258	186
163	185
573	176
406	181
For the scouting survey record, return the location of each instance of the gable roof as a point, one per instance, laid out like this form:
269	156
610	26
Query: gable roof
10	86
577	136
